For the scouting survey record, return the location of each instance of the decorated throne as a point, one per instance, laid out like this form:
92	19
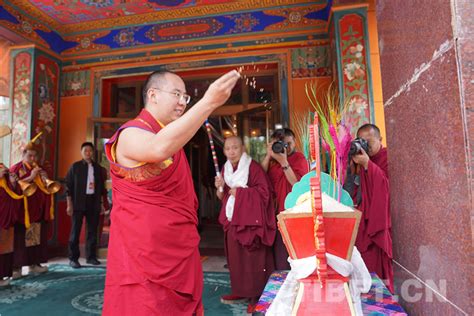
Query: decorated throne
319	233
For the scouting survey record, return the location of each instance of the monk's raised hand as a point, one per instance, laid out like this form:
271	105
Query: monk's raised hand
219	91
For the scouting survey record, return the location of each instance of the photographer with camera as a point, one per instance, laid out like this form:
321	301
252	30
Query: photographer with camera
285	166
367	182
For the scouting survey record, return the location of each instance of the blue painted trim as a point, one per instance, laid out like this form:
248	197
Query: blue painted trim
295	5
230	26
322	14
56	43
167	51
7	16
227	31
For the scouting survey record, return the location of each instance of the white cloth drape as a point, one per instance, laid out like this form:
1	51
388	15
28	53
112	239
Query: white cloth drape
237	179
360	280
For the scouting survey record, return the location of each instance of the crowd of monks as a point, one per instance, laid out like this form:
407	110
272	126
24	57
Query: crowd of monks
153	264
26	208
251	198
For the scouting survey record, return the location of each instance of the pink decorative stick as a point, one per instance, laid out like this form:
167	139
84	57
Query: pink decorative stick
213	150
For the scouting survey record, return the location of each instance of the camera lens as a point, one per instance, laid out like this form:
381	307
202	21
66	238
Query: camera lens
354	149
278	147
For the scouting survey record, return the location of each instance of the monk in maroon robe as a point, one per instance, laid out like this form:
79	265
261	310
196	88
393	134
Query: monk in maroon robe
10	204
32	251
248	218
372	198
153	264
285	167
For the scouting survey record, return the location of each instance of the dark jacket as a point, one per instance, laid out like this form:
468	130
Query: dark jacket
76	179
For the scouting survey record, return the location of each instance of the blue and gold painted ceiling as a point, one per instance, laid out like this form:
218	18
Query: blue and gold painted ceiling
73	28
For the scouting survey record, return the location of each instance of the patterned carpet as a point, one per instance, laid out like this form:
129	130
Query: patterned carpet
66	291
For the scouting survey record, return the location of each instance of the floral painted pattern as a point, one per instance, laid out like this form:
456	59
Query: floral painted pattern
358	105
126	37
75	83
245	22
354	66
45	110
21	104
46	114
310	62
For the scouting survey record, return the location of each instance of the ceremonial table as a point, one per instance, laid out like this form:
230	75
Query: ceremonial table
378	301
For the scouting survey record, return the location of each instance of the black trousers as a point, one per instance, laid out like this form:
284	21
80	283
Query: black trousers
92	222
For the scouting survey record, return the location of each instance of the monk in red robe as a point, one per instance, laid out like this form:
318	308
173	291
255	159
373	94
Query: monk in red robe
372	197
285	167
153	264
248	218
31	249
11	202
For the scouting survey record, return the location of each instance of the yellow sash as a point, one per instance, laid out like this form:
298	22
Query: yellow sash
13	195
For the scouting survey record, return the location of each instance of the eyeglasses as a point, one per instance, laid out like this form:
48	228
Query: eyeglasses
178	94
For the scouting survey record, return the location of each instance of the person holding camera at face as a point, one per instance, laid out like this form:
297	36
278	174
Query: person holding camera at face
285	166
367	182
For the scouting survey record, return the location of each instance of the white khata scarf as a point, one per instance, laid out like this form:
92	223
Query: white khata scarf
237	179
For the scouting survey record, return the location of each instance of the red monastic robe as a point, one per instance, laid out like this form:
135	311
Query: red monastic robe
374	239
249	236
9	212
282	187
153	264
39	205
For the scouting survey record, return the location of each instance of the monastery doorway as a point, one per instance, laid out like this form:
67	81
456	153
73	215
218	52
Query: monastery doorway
252	112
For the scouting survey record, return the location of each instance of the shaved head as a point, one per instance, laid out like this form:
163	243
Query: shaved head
233	139
371	134
155	79
369	127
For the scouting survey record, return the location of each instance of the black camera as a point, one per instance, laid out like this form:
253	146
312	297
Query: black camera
356	146
279	146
